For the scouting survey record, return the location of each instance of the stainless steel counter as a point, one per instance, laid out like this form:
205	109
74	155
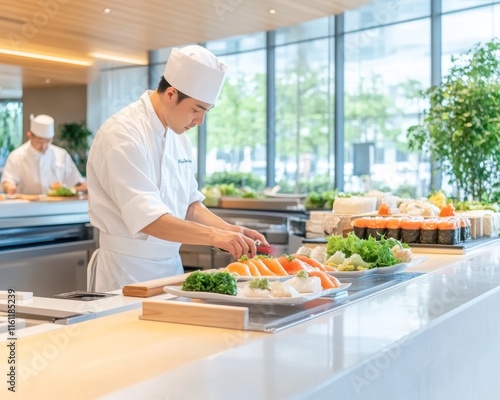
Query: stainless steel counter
45	246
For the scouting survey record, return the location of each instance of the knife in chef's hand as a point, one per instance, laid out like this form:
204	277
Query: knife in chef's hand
268	250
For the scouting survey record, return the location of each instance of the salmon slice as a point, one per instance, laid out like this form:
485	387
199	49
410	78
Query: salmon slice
273	264
311	261
326	282
263	269
239	268
293	265
254	270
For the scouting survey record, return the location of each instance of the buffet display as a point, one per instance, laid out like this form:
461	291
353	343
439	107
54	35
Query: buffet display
435	224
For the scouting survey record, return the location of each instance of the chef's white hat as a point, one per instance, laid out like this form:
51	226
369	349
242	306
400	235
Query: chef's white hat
42	126
196	72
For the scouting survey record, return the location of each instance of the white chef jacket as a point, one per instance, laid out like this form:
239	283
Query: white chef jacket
33	172
137	171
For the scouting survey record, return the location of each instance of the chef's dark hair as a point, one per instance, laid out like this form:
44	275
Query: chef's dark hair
164	85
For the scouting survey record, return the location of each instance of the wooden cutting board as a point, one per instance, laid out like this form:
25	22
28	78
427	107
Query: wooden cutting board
153	287
194	313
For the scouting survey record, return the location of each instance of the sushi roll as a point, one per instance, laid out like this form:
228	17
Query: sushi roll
465	234
376	227
448	232
360	225
410	230
429	231
393	228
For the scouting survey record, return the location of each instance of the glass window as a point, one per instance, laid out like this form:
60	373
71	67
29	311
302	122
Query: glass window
113	90
236	126
307	30
161	55
304	117
456	39
452	5
238	44
11	128
382	82
383	12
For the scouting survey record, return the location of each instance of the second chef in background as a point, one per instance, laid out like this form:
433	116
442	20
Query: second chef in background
143	194
37	165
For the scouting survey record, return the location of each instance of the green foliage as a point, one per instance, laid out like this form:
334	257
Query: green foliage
461	128
237	179
320	200
74	137
368	113
318	183
406	191
11	113
238	121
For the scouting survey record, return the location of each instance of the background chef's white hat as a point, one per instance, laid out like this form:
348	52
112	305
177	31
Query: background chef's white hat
42	126
196	72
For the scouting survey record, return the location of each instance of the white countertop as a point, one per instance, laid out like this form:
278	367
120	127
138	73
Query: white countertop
93	309
330	356
435	337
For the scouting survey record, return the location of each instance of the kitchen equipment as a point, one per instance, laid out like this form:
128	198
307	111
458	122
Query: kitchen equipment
81	295
62	317
45	246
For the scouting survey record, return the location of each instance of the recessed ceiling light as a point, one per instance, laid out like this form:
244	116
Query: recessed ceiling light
106	10
272	11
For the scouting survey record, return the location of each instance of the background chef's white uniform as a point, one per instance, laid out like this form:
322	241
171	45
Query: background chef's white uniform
133	183
33	172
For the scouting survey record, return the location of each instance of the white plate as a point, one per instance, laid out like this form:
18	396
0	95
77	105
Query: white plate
399	267
269	278
390	270
379	270
351	274
289	301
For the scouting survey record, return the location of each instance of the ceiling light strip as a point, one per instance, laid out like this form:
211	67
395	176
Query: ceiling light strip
45	57
119	58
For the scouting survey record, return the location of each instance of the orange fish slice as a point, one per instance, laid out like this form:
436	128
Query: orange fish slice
238	268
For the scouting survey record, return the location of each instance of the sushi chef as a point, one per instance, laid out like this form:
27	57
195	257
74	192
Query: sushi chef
37	166
143	195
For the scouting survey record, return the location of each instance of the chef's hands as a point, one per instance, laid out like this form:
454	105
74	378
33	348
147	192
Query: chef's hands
9	188
239	243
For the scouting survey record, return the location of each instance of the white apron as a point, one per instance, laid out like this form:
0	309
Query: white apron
125	260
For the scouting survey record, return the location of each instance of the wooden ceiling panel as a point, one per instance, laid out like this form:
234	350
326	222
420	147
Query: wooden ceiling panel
65	28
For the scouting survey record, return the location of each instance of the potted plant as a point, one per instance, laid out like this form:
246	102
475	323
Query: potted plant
461	128
74	137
